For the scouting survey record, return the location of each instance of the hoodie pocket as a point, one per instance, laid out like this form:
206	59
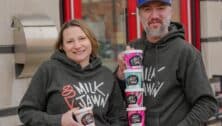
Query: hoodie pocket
152	119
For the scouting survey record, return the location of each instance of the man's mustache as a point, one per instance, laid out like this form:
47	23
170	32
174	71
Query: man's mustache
154	21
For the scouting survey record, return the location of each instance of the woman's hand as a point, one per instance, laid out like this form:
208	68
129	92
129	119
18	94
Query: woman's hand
67	119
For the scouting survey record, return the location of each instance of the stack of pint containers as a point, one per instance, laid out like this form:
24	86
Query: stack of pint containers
134	87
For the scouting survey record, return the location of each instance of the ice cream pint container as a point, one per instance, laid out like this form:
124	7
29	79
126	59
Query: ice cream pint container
134	97
133	59
136	116
133	78
85	116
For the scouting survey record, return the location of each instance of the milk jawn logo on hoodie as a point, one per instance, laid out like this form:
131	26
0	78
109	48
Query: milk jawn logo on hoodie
152	85
87	94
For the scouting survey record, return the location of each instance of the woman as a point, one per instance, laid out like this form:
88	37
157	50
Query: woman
73	78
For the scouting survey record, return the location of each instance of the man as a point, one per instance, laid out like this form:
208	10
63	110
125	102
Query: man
177	91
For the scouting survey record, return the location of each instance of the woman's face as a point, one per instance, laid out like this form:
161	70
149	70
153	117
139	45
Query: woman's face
77	45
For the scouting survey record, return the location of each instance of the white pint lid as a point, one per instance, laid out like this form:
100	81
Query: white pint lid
133	70
133	51
134	89
83	110
136	109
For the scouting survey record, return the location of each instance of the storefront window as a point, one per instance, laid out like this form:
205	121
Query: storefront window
107	20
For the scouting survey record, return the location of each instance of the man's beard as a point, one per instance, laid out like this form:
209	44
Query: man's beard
157	32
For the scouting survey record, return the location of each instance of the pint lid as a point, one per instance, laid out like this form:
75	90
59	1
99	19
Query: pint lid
133	70
133	51
136	109
83	110
134	89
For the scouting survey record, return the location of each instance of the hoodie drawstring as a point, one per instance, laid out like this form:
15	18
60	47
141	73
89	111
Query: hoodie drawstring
156	64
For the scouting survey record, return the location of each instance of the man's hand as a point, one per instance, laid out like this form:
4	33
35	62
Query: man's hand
121	64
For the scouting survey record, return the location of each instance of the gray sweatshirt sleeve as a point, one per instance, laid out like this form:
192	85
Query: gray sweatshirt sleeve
32	108
198	92
202	110
117	115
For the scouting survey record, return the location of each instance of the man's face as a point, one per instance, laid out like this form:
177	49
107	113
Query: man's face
155	18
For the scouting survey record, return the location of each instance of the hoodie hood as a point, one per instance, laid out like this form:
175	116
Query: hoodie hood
61	57
175	30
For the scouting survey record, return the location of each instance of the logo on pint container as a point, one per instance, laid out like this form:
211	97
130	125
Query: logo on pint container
131	99
132	80
136	118
135	61
87	119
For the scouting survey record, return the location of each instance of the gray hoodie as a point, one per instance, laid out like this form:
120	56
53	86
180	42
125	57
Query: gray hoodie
177	91
60	84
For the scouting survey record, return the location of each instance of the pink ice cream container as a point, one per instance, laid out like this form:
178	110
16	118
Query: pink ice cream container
136	116
85	116
133	78
133	59
134	97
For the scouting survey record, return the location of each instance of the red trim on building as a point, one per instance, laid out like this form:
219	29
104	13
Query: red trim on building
67	10
197	22
184	17
77	9
131	20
